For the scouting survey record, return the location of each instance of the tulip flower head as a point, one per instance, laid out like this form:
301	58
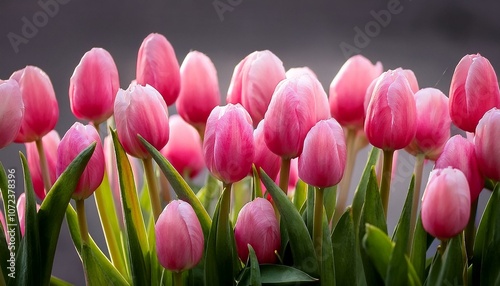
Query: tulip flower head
11	111
486	144
294	72
446	203
264	158
21	212
179	237
2	221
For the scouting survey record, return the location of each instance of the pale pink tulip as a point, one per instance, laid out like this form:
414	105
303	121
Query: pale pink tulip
11	111
5	230
264	158
486	143
21	212
294	72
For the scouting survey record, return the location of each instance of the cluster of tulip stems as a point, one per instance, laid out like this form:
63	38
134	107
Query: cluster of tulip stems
280	156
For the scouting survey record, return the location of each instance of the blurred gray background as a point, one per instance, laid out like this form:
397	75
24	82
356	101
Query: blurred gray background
427	37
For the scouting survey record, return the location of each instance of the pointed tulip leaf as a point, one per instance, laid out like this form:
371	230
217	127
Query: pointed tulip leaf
275	274
299	197
330	200
454	263
419	249
94	273
359	195
327	259
344	247
7	185
490	266
255	279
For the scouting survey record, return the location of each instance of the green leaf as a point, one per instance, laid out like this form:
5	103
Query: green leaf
344	247
419	249
51	212
5	254
275	274
9	199
54	281
209	194
257	187
254	267
300	241
300	195
181	188
94	273
327	261
454	266
490	241
330	199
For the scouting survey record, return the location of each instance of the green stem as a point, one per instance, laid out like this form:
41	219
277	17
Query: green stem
165	188
82	221
44	166
318	224
419	167
284	174
152	187
225	207
385	185
345	183
442	247
178	281
470	231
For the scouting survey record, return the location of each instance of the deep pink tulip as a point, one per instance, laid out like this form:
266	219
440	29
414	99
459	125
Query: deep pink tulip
93	86
40	105
50	143
433	123
228	145
391	118
179	237
446	203
21	212
76	139
323	159
293	72
473	91
140	110
157	66
297	104
486	143
253	82
199	89
459	153
264	158
348	90
257	225
183	149
11	111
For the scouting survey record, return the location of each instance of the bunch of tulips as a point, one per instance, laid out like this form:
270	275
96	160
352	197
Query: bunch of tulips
273	207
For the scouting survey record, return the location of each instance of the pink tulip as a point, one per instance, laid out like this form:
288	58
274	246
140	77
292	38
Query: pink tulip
433	123
21	212
446	203
50	143
253	82
140	110
486	143
179	237
459	153
264	158
228	145
11	111
2	221
348	90
257	225
183	149
158	67
473	91
391	118
323	159
297	104
76	139
40	105
199	89
93	86
294	72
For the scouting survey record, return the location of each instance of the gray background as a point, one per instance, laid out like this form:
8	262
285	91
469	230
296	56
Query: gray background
429	38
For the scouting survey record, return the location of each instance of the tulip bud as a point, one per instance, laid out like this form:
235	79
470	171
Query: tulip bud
93	86
433	123
257	225
446	203
294	72
297	104
323	159
77	139
228	145
459	153
21	212
140	110
486	143
11	111
158	67
183	149
348	90
391	115
473	91
253	82
50	143
199	89
40	105
179	237
264	158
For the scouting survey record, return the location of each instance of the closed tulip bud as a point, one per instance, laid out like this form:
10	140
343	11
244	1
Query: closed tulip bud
157	66
183	149
77	139
50	143
323	159
179	237
21	212
391	118
140	110
459	153
93	86
11	111
446	203
264	158
412	79
348	90
473	91
293	72
199	89
228	145
40	104
253	82
486	143
257	225
433	123
297	104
